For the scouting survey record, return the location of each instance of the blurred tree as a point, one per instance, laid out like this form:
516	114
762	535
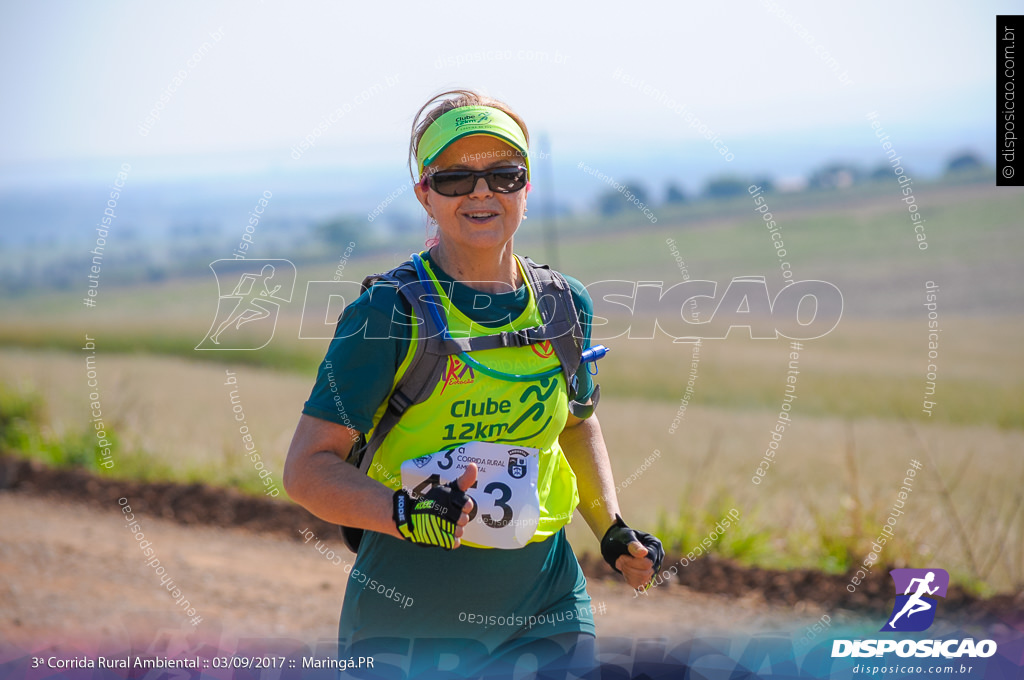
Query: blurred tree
613	202
637	190
765	183
965	160
881	173
726	187
340	230
834	176
610	203
401	222
674	194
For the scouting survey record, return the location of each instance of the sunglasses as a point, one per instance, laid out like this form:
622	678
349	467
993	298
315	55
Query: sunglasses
504	180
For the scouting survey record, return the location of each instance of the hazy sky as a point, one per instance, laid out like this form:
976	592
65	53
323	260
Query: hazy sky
79	78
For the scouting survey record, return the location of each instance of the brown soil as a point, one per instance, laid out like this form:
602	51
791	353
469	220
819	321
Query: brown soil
63	541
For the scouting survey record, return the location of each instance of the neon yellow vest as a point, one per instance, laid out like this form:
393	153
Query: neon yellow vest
467	405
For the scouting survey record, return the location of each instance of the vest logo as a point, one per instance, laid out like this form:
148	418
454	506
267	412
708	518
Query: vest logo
915	611
543	349
422	460
457	373
517	466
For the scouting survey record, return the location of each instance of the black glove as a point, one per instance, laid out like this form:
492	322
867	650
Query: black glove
432	519
617	539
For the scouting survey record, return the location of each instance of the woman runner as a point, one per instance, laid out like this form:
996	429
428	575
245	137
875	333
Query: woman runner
464	503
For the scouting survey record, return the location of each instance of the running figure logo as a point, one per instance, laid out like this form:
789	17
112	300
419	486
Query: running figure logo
252	304
916	611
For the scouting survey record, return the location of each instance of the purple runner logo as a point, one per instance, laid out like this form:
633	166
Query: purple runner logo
915	611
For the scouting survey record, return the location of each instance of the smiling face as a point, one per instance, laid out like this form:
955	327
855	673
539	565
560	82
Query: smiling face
482	220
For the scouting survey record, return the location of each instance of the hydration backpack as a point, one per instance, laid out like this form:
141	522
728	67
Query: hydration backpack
430	351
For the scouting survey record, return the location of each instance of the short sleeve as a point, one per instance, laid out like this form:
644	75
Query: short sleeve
359	368
585	312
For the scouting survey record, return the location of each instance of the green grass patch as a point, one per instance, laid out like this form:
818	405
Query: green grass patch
24	433
132	340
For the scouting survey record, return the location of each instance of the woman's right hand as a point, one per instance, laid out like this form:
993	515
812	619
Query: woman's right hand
439	517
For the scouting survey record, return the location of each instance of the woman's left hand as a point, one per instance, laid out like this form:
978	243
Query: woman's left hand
636	567
635	554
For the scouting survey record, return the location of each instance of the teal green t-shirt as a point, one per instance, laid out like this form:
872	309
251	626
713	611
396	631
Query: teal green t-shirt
371	340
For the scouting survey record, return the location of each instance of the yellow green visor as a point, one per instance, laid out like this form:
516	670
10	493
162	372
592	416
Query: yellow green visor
465	121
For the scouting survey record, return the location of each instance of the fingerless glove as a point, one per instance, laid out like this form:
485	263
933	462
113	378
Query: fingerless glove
430	520
617	539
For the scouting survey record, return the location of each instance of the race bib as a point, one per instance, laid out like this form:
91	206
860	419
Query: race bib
506	507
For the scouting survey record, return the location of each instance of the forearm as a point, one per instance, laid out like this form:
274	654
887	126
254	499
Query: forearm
317	477
340	493
584	448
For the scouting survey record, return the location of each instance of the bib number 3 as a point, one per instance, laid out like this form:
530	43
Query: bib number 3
506	507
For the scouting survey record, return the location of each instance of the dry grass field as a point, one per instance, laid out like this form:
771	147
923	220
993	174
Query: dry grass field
857	421
827	493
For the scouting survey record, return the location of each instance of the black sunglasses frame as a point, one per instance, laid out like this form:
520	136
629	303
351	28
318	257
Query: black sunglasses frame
496	178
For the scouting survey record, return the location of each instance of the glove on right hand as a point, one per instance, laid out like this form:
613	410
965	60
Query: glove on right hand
432	519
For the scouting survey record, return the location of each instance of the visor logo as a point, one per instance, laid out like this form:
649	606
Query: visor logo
482	118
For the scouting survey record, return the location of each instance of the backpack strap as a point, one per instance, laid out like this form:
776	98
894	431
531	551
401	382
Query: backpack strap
415	384
558	316
425	366
559	324
430	351
568	334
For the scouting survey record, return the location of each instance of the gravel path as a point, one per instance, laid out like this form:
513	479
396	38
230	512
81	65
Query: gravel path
74	574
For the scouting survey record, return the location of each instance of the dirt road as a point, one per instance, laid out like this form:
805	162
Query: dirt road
70	573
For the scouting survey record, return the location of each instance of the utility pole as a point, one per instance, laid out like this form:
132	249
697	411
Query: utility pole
549	228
